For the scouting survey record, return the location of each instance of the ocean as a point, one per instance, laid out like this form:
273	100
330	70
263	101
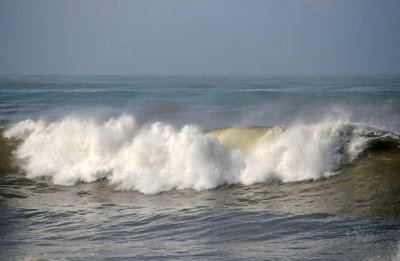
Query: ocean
199	167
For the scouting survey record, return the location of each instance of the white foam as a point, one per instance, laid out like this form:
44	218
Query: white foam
72	149
158	157
295	154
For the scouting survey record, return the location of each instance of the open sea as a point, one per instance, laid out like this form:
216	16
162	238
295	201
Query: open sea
199	167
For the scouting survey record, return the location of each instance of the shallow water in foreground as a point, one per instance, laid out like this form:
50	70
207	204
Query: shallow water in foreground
327	219
262	209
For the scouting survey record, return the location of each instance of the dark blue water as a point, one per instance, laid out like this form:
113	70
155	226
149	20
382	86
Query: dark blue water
122	168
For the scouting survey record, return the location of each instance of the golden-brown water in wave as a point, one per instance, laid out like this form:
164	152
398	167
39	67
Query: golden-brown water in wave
244	138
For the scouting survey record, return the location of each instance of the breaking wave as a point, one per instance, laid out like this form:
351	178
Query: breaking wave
159	157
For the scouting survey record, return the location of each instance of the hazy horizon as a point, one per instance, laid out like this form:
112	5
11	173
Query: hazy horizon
272	75
174	37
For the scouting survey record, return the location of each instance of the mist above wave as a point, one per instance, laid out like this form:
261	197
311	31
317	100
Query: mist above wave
158	157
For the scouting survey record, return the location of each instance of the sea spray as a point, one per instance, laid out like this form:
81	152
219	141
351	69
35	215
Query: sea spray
158	157
73	149
161	158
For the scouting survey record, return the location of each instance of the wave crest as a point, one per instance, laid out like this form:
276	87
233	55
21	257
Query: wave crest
158	157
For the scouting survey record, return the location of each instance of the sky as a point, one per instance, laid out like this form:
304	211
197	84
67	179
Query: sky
200	37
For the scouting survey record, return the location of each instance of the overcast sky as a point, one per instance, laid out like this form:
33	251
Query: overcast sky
200	37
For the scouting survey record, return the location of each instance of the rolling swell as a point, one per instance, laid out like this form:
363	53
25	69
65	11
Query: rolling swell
158	157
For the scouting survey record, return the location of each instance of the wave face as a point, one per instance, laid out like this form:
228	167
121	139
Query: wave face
158	157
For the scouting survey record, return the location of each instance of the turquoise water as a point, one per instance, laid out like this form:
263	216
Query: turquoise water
128	167
209	101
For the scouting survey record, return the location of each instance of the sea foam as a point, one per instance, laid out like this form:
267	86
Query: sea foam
159	157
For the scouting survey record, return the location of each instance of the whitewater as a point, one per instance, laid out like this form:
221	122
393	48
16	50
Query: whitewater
158	157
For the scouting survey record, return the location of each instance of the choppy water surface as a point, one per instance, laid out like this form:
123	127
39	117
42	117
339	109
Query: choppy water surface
184	167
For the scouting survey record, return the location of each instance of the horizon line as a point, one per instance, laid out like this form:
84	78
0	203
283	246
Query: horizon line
201	74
